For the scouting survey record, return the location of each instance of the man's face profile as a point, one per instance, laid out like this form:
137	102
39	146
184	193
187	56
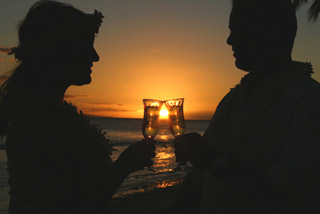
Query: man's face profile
247	40
261	34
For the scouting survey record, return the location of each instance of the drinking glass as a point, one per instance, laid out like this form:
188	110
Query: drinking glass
177	123
176	118
150	124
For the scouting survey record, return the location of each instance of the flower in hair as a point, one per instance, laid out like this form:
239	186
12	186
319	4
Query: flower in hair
16	52
96	19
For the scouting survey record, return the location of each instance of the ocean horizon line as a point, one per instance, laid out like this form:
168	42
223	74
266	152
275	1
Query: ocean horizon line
123	118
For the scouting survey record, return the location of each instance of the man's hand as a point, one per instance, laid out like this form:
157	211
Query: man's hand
137	156
192	147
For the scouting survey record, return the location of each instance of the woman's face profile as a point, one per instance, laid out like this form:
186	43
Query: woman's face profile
80	60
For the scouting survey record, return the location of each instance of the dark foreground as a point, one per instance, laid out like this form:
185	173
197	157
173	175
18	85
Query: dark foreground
152	202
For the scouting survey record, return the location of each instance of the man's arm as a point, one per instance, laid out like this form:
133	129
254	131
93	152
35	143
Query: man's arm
187	198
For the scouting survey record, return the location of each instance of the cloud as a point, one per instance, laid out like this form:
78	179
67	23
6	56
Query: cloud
106	109
7	60
72	96
199	115
91	108
11	60
104	104
5	50
3	78
97	108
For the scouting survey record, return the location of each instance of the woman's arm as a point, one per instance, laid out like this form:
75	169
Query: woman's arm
134	158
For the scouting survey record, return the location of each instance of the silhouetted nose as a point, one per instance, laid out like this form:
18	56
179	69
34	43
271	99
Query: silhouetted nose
95	56
229	40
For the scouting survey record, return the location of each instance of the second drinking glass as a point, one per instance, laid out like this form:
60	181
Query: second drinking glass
176	117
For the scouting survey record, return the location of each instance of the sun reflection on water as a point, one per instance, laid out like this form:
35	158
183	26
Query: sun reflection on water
169	183
164	137
164	155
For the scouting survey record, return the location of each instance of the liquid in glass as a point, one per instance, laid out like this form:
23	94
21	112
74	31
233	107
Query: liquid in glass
176	117
150	124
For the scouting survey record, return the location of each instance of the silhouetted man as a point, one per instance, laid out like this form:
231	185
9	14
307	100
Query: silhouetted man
260	153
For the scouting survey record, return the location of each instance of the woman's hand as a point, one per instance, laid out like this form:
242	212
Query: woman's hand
137	156
194	148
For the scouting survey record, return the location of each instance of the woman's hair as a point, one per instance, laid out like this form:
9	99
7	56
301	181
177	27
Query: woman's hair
45	38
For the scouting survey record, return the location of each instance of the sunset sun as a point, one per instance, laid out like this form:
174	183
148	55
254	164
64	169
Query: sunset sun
163	113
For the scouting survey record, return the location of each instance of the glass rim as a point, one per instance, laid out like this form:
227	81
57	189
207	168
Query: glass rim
174	99
148	100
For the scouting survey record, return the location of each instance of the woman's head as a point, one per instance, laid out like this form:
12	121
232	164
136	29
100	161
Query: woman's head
56	37
55	51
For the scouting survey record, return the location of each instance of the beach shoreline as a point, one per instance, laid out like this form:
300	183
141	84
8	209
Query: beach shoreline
155	201
147	201
152	197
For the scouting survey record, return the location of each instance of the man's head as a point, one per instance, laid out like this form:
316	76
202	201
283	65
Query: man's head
262	33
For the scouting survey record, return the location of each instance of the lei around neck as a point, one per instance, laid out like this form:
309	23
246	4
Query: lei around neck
83	123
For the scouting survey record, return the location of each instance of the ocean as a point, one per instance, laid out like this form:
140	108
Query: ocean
122	133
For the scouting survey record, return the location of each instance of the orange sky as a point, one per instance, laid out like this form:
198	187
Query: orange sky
158	50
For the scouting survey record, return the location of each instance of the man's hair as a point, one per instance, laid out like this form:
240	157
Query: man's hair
277	17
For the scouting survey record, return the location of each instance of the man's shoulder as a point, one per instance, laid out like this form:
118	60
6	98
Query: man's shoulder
302	73
305	86
305	95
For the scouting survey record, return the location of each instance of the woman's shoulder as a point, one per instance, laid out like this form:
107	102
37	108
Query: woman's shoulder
35	111
59	124
49	116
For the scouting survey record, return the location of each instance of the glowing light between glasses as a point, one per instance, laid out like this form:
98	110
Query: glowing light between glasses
164	113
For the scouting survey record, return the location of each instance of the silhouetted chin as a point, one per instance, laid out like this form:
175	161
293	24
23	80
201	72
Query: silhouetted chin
243	66
81	76
83	81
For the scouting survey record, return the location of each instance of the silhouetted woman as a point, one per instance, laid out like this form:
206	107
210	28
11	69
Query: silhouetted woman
57	161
